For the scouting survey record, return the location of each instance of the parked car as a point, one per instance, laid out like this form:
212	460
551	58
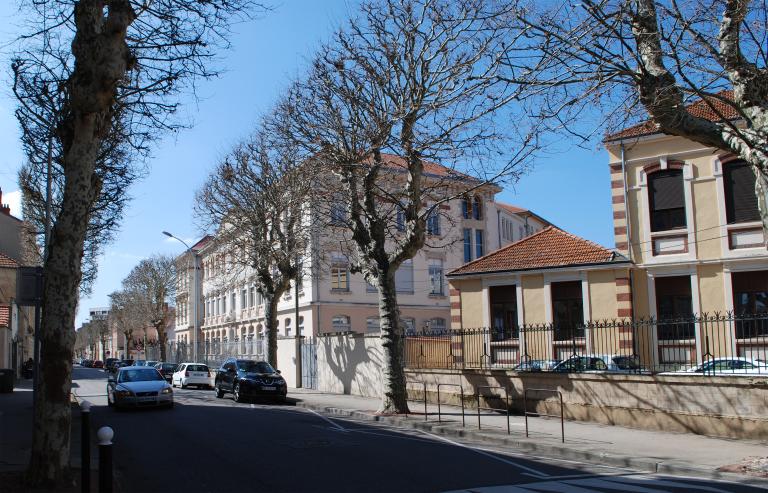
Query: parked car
187	374
109	363
151	363
247	378
134	386
87	363
612	363
98	364
726	366
140	362
537	365
166	370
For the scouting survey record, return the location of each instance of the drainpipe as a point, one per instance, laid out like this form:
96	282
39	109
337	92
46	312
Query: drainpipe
498	225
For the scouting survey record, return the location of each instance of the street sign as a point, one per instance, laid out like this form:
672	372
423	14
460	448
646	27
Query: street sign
29	286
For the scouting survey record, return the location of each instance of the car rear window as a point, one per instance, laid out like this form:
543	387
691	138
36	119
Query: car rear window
197	368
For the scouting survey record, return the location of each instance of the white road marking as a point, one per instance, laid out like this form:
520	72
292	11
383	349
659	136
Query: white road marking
332	423
531	471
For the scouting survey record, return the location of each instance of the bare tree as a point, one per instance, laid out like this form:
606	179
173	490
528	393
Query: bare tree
115	68
633	58
152	284
125	315
407	83
258	200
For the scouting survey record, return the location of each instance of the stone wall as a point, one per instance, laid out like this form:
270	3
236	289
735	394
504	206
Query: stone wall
735	407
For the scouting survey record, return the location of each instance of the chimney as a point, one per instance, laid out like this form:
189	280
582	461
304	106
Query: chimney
4	208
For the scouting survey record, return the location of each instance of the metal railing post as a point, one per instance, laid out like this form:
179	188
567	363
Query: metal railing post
105	435
85	447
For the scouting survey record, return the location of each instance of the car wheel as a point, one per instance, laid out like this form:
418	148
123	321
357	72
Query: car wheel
236	393
219	393
109	402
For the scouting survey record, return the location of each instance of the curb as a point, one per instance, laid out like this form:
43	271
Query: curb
644	464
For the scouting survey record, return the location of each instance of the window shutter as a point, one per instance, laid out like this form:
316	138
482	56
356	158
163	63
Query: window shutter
741	201
667	190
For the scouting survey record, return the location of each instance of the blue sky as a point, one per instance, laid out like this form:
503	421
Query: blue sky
571	188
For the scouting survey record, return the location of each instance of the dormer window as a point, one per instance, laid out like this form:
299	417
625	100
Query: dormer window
667	200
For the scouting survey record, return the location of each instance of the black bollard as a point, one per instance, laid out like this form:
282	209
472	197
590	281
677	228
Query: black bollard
85	447
105	435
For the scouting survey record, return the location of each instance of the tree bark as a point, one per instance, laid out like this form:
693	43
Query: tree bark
394	398
270	322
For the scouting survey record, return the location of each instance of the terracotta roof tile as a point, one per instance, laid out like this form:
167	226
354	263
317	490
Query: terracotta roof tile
430	168
5	316
6	261
511	208
699	108
549	248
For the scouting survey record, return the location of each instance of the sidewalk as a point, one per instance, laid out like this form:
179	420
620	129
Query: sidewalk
669	453
16	432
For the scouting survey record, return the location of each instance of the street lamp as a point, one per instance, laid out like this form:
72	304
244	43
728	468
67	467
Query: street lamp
193	256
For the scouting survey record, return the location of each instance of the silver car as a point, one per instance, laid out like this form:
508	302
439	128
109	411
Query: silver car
138	386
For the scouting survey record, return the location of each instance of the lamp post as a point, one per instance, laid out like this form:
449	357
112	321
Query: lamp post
193	256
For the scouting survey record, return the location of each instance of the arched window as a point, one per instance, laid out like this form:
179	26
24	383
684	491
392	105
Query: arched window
666	199
477	208
740	197
340	323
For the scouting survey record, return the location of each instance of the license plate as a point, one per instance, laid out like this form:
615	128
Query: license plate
147	399
268	388
199	375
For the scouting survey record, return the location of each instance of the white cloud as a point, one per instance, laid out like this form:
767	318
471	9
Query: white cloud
13	199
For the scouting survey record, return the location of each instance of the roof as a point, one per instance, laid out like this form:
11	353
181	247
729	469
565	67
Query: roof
6	261
549	248
513	209
399	163
709	110
5	316
202	242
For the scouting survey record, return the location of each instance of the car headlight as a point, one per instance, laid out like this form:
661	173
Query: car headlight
166	390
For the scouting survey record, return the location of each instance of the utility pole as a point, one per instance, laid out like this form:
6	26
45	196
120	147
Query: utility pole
298	326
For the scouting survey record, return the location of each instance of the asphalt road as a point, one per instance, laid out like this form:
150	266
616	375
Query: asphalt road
209	444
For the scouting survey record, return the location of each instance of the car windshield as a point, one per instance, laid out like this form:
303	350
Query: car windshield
197	368
255	367
139	376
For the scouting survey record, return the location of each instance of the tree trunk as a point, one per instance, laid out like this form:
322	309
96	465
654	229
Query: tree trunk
270	322
49	461
394	394
162	339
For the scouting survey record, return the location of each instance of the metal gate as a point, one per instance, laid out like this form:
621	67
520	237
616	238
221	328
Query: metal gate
309	363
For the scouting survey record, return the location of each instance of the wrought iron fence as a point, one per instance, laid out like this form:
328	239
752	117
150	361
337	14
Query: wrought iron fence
709	344
212	353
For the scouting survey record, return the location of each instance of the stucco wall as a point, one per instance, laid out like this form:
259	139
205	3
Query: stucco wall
533	299
286	360
349	365
471	303
733	407
711	288
602	294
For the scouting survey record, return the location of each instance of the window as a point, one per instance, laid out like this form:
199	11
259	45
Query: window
287	326
338	211
674	307
567	310
404	277
437	324
223	303
466	207
409	325
520	232
479	249
667	200
750	303
467	244
433	223
477	208
339	273
340	323
243	297
252	296
503	312
232	299
301	324
740	197
400	218
372	324
436	276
